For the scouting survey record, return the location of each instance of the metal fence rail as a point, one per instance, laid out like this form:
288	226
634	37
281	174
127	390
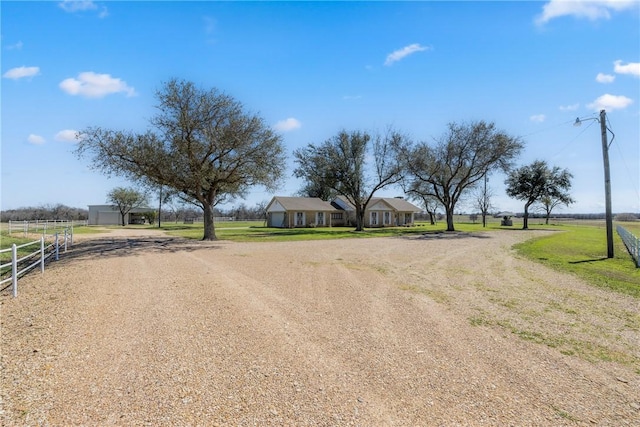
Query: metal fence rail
18	267
631	242
43	225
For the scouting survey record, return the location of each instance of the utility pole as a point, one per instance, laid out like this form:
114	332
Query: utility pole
607	178
607	183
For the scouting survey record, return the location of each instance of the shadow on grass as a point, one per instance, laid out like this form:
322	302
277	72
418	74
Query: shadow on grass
452	235
588	260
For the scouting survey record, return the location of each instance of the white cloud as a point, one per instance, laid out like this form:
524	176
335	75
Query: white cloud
572	107
610	102
632	68
404	52
538	118
93	85
21	72
590	9
351	97
605	78
35	139
77	5
287	125
73	6
17	46
67	135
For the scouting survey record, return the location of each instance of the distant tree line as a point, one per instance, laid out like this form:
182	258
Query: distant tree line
45	212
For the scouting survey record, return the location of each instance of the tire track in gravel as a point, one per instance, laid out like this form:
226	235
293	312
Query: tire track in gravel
381	345
301	333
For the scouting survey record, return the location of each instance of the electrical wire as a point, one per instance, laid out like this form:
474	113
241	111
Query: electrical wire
624	163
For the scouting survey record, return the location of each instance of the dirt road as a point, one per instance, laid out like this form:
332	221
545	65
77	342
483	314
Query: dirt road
441	330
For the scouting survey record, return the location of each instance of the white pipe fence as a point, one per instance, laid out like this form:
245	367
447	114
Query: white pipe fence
20	266
631	242
43	225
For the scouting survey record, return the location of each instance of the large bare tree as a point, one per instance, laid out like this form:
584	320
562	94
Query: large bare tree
203	145
458	160
353	164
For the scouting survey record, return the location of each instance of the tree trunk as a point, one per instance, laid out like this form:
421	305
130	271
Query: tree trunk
525	219
432	218
546	220
449	212
484	219
209	227
122	216
359	218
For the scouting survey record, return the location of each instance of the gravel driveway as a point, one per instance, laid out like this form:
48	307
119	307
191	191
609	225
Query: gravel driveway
137	328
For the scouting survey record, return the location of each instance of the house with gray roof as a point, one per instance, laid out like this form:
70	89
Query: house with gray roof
290	212
381	211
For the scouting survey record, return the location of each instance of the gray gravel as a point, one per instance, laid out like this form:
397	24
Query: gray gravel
142	329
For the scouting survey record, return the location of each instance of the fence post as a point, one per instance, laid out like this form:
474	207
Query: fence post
57	247
65	240
25	228
42	254
14	268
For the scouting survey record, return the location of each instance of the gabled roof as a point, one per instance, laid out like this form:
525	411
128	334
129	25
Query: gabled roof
398	204
300	204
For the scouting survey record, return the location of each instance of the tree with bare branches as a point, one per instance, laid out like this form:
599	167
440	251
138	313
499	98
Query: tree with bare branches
203	145
353	164
458	160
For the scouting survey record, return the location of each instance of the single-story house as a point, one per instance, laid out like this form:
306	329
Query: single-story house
110	215
381	211
289	212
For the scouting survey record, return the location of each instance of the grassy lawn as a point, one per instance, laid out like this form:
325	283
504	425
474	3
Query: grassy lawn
582	250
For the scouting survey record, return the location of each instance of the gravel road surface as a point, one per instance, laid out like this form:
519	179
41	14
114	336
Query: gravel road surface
138	328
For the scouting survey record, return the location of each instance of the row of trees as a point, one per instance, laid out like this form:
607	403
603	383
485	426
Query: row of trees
44	212
204	148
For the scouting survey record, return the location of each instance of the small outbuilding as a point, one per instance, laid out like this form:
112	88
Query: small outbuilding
110	215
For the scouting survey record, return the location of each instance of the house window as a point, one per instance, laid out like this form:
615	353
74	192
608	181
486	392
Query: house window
408	218
374	218
320	220
299	218
387	218
336	215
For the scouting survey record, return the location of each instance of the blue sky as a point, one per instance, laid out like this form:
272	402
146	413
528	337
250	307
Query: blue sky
311	69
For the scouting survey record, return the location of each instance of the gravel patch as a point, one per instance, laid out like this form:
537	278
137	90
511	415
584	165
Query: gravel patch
137	328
